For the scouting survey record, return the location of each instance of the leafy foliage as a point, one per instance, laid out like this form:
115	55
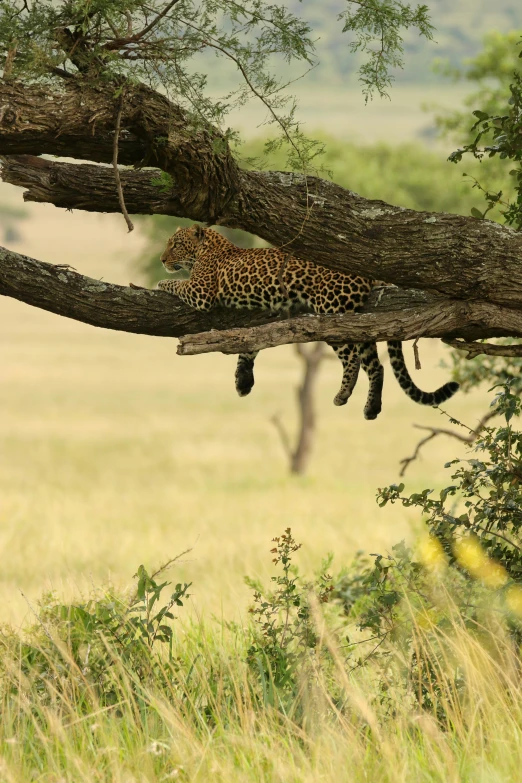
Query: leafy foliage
105	643
496	131
489	73
496	370
379	23
285	633
168	45
478	518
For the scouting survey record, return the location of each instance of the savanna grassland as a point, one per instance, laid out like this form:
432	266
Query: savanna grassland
115	451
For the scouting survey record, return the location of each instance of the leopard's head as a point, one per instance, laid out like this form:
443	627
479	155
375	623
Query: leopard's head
182	247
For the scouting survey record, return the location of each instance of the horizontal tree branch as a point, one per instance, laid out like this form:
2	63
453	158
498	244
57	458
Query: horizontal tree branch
59	289
391	313
460	257
477	349
438	318
89	187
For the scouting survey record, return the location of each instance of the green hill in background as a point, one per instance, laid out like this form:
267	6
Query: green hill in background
460	26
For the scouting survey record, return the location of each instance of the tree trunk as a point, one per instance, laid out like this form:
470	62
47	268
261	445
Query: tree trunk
312	358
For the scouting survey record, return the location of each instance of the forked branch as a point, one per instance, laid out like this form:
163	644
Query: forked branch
477	349
298	456
436	431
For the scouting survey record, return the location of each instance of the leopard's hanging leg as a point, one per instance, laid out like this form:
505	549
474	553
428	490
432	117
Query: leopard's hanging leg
349	356
372	366
245	373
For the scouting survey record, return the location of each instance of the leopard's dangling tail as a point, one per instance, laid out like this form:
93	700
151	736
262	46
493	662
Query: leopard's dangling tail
406	382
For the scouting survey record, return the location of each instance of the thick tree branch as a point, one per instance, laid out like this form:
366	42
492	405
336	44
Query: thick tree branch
390	314
436	318
79	122
89	187
457	256
61	290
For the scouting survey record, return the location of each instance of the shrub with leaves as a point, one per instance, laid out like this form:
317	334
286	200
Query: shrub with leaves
502	134
284	632
105	643
478	518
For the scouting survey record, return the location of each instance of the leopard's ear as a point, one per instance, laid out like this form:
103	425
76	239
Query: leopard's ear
199	231
178	229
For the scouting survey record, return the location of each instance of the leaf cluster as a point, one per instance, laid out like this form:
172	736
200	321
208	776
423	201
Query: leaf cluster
105	643
483	505
378	26
285	633
496	370
504	133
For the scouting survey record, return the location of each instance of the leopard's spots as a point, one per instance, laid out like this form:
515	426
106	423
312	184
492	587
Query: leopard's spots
222	273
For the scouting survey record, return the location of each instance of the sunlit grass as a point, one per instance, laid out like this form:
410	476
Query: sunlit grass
212	725
114	451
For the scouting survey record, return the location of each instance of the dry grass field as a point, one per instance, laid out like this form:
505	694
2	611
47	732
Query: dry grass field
114	451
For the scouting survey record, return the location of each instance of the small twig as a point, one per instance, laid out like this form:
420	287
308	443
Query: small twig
283	434
155	21
118	43
406	461
434	431
129	24
418	365
159	570
39	619
119	188
476	349
172	560
280	272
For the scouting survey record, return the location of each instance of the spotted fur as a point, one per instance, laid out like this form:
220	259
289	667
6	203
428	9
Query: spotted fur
222	273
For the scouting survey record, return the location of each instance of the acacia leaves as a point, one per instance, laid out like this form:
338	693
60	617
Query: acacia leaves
378	27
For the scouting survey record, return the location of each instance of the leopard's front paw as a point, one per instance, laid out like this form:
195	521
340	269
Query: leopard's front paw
165	285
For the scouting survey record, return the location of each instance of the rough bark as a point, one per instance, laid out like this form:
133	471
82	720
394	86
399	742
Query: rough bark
89	187
457	256
80	122
390	314
61	290
441	318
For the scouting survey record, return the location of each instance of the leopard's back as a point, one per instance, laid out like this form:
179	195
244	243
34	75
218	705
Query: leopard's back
270	278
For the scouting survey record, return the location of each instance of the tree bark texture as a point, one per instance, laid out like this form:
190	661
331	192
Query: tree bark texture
391	313
444	318
61	290
459	257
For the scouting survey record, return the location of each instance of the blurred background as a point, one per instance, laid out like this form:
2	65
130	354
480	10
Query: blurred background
115	452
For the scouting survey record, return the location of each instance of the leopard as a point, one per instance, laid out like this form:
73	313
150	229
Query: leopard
221	273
